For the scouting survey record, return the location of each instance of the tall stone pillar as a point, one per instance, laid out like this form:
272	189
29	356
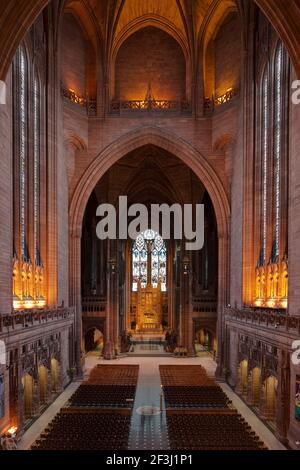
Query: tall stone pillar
112	314
283	397
170	284
186	306
223	295
75	296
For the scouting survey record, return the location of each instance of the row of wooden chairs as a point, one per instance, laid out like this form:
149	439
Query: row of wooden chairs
103	396
80	431
199	414
89	423
195	397
211	432
187	375
114	375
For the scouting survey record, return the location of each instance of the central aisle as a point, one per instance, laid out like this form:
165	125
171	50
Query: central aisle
148	432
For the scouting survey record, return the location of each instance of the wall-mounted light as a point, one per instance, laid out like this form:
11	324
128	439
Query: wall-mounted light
12	431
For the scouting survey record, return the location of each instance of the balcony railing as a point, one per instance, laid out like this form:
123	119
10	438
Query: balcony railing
273	319
211	104
93	305
202	305
28	319
85	105
146	106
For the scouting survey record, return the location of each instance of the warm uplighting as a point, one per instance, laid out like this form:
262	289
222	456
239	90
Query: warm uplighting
271	303
12	431
41	303
259	303
226	97
18	304
72	96
76	98
29	304
284	303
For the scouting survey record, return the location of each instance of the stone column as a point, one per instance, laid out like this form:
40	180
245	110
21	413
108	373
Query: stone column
49	386
283	397
35	410
75	295
127	287
223	295
20	398
186	305
170	287
112	314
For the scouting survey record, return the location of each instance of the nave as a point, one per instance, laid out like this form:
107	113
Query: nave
192	417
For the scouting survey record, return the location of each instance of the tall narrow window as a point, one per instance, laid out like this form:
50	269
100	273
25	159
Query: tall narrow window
265	156
36	165
23	154
278	75
272	123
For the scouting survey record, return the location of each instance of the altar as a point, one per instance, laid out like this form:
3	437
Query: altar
149	310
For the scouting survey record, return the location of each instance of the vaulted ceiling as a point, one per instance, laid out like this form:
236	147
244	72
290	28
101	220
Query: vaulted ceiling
116	19
16	17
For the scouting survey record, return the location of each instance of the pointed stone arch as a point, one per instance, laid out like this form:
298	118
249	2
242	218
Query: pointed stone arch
196	162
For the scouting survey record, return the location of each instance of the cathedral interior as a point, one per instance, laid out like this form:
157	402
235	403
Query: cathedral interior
166	102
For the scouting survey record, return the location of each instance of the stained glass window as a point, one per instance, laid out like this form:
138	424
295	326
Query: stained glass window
36	164
265	157
22	119
149	247
277	147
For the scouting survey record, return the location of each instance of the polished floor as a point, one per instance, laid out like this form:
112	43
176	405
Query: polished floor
148	426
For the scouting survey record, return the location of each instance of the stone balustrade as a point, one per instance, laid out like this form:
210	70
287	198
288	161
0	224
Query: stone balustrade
267	318
28	319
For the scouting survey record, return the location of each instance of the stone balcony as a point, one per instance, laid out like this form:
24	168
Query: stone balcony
273	320
94	306
19	321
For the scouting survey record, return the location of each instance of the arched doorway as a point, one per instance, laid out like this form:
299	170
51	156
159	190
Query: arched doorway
148	175
165	142
55	375
94	341
27	382
206	341
243	377
270	398
43	384
256	386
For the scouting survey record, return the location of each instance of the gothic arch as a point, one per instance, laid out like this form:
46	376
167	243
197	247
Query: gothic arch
197	163
161	139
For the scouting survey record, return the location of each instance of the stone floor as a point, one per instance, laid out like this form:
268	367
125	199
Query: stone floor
149	431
